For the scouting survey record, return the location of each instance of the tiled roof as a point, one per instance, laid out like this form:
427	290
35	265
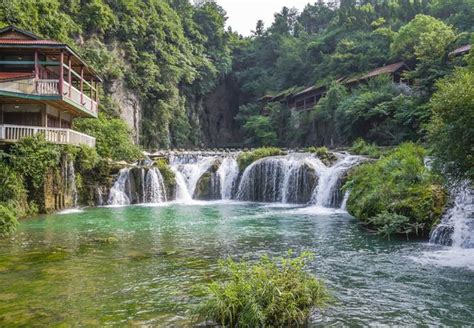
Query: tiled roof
29	42
392	68
461	50
14	75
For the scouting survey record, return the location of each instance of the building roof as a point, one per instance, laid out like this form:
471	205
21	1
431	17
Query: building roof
388	69
13	37
461	50
14	75
29	42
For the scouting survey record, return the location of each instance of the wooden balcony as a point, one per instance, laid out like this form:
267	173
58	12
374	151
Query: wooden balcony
49	90
13	133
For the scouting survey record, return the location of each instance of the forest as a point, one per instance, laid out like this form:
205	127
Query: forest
173	54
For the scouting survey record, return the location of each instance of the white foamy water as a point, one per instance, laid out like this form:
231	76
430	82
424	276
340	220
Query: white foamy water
447	257
190	171
228	172
329	181
71	211
118	193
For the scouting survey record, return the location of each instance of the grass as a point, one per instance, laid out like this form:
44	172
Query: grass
271	292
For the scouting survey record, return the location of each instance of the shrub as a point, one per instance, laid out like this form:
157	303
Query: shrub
113	137
12	190
271	293
32	157
246	158
361	147
397	194
8	221
323	154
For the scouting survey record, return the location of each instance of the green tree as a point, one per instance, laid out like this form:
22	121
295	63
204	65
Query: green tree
451	130
424	38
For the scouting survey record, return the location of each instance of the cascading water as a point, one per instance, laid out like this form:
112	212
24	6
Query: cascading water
189	169
138	185
228	173
328	192
457	225
119	192
288	179
154	187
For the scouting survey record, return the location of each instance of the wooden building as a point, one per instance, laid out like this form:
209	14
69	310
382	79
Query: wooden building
44	86
308	98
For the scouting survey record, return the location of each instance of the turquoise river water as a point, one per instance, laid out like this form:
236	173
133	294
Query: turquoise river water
146	265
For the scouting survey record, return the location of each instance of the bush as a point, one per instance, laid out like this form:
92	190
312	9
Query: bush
246	158
397	194
32	157
8	221
12	190
269	293
323	154
113	137
361	147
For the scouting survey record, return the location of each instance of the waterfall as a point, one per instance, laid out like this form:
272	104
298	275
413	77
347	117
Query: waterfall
328	192
288	179
154	187
118	193
138	185
189	169
228	172
182	192
71	181
457	225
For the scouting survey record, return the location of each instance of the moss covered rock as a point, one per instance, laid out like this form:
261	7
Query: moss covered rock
208	185
397	194
248	157
169	178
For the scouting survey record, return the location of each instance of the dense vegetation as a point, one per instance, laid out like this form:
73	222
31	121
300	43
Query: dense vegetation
397	194
326	42
169	52
269	293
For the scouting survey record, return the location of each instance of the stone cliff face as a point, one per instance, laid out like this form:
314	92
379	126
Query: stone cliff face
212	116
129	105
217	120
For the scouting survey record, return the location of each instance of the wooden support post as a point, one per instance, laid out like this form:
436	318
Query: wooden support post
60	123
92	90
70	75
82	85
61	74
36	65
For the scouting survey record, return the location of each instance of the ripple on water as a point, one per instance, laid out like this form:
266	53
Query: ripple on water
141	265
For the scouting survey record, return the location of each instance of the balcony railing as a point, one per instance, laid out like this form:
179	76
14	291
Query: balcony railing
13	133
75	95
47	87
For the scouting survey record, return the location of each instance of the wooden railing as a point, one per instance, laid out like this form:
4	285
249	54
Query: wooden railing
47	87
75	95
12	133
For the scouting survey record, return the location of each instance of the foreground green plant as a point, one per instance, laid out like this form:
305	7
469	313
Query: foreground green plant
397	194
268	293
246	158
